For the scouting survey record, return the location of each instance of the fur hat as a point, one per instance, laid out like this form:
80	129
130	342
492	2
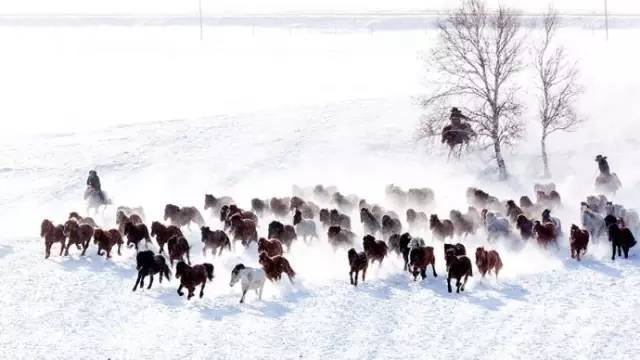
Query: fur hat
455	113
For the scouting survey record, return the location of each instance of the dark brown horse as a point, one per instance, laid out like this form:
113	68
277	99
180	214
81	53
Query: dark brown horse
178	248
52	234
339	237
272	247
214	240
164	233
78	234
122	219
419	258
285	233
136	233
190	277
457	268
82	220
357	262
578	241
441	229
243	230
545	233
106	240
376	250
487	261
274	267
215	203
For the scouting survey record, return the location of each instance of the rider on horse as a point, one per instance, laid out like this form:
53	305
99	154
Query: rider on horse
457	132
603	165
93	181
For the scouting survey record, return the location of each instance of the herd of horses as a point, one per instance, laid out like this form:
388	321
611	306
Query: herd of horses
385	233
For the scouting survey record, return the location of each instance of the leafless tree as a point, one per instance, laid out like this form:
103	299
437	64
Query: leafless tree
557	85
475	64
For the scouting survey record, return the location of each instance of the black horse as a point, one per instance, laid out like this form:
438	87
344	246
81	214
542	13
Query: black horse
149	264
457	267
621	238
457	133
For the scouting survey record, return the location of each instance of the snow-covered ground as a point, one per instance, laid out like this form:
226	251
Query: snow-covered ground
249	112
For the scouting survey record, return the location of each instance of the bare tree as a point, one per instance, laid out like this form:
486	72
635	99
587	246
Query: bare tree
474	65
557	85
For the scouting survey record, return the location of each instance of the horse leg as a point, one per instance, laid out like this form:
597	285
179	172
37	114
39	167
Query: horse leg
613	250
423	273
260	292
364	272
204	252
466	277
351	277
151	281
433	267
180	293
119	246
189	259
458	283
449	283
244	292
202	289
65	248
626	252
47	250
220	251
137	281
85	246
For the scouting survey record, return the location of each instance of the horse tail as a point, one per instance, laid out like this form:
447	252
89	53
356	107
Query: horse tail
167	272
145	233
197	218
470	267
209	268
287	269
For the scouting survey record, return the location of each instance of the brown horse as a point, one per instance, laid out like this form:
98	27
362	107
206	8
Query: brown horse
487	261
122	219
274	267
215	203
82	220
52	234
280	207
272	247
106	240
190	277
78	234
375	250
164	233
213	240
357	262
578	241
545	233
227	211
441	229
339	237
243	230
285	233
178	248
419	258
183	216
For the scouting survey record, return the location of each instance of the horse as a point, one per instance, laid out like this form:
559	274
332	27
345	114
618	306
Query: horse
95	201
458	267
78	234
178	247
608	184
487	261
250	278
592	221
376	250
420	197
285	233
183	216
305	228
130	211
149	264
403	246
136	233
458	249
106	240
243	230
417	220
122	219
357	262
525	226
462	224
440	229
621	238
336	218
513	211
370	224
420	257
227	211
52	234
82	220
390	226
578	241
275	266
280	207
164	233
212	202
272	247
456	135
190	277
214	240
338	237
496	226
259	206
545	233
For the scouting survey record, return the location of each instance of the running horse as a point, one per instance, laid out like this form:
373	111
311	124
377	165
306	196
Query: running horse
457	133
94	201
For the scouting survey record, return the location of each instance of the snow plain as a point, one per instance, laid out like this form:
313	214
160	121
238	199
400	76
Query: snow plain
249	112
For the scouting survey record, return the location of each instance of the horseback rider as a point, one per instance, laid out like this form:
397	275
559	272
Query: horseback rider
93	181
458	131
603	165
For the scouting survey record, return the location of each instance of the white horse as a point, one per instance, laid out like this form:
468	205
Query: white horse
95	201
252	278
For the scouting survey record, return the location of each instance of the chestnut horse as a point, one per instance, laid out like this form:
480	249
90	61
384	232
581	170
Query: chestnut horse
419	258
52	234
178	247
545	233
272	247
183	216
190	277
274	267
78	234
487	261
357	262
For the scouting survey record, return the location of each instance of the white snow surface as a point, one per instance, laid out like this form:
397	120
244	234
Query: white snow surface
166	118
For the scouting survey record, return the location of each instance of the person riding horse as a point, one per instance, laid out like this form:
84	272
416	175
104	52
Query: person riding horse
93	182
606	182
457	132
603	165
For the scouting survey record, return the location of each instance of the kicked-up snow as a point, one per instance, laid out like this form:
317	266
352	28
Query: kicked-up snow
544	305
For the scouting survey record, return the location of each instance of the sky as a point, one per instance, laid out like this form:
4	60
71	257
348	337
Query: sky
229	7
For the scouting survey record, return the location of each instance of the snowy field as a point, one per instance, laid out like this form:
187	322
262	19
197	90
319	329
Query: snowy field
250	112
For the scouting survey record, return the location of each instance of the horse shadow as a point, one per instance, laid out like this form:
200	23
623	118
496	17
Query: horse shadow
594	265
98	264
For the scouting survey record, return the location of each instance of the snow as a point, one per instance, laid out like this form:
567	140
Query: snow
164	118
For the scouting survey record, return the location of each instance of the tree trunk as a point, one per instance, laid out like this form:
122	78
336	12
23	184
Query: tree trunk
502	167
545	157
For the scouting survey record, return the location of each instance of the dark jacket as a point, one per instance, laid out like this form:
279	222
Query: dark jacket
94	182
